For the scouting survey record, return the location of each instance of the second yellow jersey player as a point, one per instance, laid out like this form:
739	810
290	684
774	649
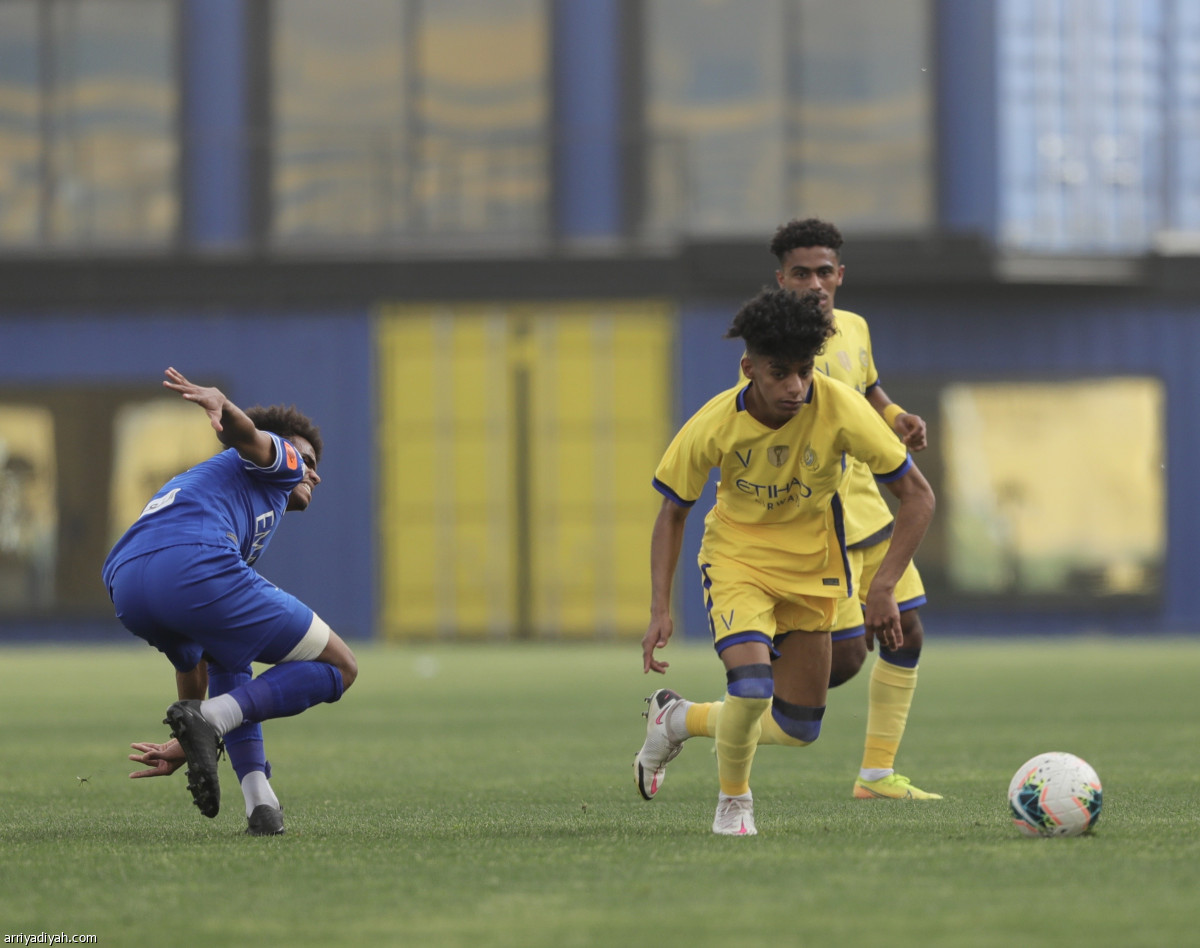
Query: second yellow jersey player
809	257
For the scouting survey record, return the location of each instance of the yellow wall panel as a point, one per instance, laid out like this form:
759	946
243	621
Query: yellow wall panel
516	449
441	434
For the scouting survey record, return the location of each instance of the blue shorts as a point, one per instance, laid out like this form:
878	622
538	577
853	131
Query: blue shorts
194	602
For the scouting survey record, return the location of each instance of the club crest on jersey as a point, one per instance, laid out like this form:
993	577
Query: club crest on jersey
864	358
777	454
809	458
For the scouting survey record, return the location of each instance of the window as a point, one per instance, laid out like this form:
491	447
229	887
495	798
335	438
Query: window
77	464
339	109
28	509
764	110
399	120
1097	125
1038	506
88	105
20	153
860	142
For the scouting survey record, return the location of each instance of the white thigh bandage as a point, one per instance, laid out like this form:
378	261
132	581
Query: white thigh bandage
313	643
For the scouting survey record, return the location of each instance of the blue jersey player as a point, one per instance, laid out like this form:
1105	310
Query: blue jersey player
182	579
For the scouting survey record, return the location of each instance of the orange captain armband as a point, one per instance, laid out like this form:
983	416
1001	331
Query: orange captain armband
891	413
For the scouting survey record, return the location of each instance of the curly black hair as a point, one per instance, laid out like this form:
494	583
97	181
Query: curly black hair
811	232
780	324
285	421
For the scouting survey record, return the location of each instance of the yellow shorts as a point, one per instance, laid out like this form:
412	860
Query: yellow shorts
864	563
743	607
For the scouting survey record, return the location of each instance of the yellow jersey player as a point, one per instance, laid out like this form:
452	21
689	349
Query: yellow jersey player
809	258
774	558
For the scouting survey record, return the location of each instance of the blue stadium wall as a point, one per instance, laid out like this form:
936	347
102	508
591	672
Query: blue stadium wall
320	361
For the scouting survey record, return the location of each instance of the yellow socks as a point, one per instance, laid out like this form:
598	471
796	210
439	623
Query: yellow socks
702	722
739	725
890	697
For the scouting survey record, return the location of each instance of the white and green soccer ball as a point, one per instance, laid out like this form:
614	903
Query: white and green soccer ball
1055	794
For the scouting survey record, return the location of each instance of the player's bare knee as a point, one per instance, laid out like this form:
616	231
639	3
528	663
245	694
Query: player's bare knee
348	666
334	651
911	628
337	653
848	657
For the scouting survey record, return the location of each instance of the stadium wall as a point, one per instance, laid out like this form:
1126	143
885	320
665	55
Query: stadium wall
318	360
305	332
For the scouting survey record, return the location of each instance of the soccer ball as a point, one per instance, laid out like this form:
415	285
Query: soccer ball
1055	794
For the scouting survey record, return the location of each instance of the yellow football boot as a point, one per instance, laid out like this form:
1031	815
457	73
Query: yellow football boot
894	787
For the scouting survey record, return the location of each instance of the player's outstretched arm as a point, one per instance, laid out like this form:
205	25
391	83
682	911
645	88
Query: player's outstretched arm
665	544
233	427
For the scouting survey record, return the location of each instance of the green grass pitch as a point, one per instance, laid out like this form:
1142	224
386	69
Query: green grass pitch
483	796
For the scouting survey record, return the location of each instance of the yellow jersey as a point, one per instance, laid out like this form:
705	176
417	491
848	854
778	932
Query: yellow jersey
847	358
778	509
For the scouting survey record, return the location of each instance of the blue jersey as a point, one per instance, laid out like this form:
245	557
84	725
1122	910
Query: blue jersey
225	501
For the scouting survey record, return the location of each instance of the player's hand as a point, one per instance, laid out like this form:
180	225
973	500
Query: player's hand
911	429
882	619
212	400
163	759
656	636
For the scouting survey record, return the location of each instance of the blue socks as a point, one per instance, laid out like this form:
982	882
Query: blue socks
280	691
244	743
287	689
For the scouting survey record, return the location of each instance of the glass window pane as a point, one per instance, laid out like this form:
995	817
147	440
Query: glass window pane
339	108
19	119
399	120
861	145
482	164
1083	123
28	509
715	115
111	144
1181	124
1022	489
761	110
